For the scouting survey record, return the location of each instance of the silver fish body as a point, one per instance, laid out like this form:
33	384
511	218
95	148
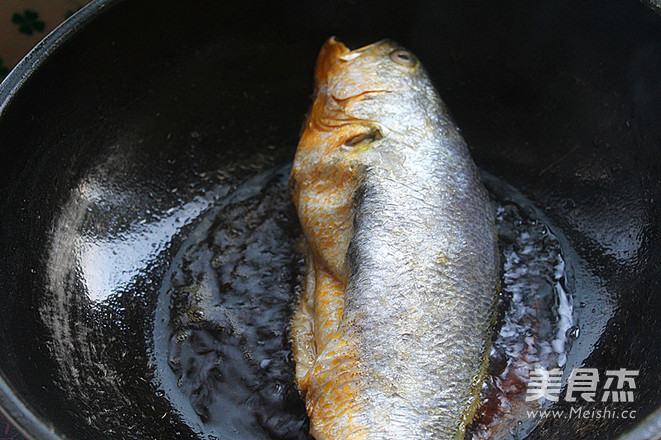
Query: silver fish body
421	261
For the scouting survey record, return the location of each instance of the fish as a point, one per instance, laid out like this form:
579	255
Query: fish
392	331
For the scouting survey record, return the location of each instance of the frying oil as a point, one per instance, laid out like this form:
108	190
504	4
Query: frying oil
221	347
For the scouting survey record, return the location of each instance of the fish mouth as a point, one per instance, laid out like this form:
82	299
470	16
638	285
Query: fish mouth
331	62
334	52
357	52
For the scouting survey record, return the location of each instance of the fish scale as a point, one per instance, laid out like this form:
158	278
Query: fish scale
400	228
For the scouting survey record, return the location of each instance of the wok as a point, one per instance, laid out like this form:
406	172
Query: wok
134	110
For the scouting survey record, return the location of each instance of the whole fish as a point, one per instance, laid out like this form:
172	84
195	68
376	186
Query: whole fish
392	332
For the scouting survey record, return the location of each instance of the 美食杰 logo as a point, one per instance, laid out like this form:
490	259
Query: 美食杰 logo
584	384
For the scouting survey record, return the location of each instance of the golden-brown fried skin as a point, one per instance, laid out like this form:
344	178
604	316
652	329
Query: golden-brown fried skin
392	331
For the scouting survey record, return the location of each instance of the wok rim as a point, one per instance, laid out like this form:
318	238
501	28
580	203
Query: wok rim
12	406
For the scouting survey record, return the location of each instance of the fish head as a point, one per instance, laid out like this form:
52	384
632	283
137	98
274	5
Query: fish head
378	67
363	96
370	106
367	93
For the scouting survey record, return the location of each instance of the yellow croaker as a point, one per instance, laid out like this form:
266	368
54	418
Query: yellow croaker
392	331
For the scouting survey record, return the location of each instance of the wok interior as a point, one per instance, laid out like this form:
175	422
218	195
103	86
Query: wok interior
141	113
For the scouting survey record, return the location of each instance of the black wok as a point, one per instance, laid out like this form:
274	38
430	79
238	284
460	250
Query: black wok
124	112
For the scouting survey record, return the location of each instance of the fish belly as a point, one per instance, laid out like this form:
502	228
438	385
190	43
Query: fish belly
399	349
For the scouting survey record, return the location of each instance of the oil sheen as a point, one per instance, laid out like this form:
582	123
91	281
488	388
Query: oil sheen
221	347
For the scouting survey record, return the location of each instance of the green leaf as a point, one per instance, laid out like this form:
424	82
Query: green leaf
26	29
30	15
17	18
28	22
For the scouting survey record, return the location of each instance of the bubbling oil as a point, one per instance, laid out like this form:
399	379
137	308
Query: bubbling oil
221	346
535	316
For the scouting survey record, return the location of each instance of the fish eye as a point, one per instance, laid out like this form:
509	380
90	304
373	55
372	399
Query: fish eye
402	57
